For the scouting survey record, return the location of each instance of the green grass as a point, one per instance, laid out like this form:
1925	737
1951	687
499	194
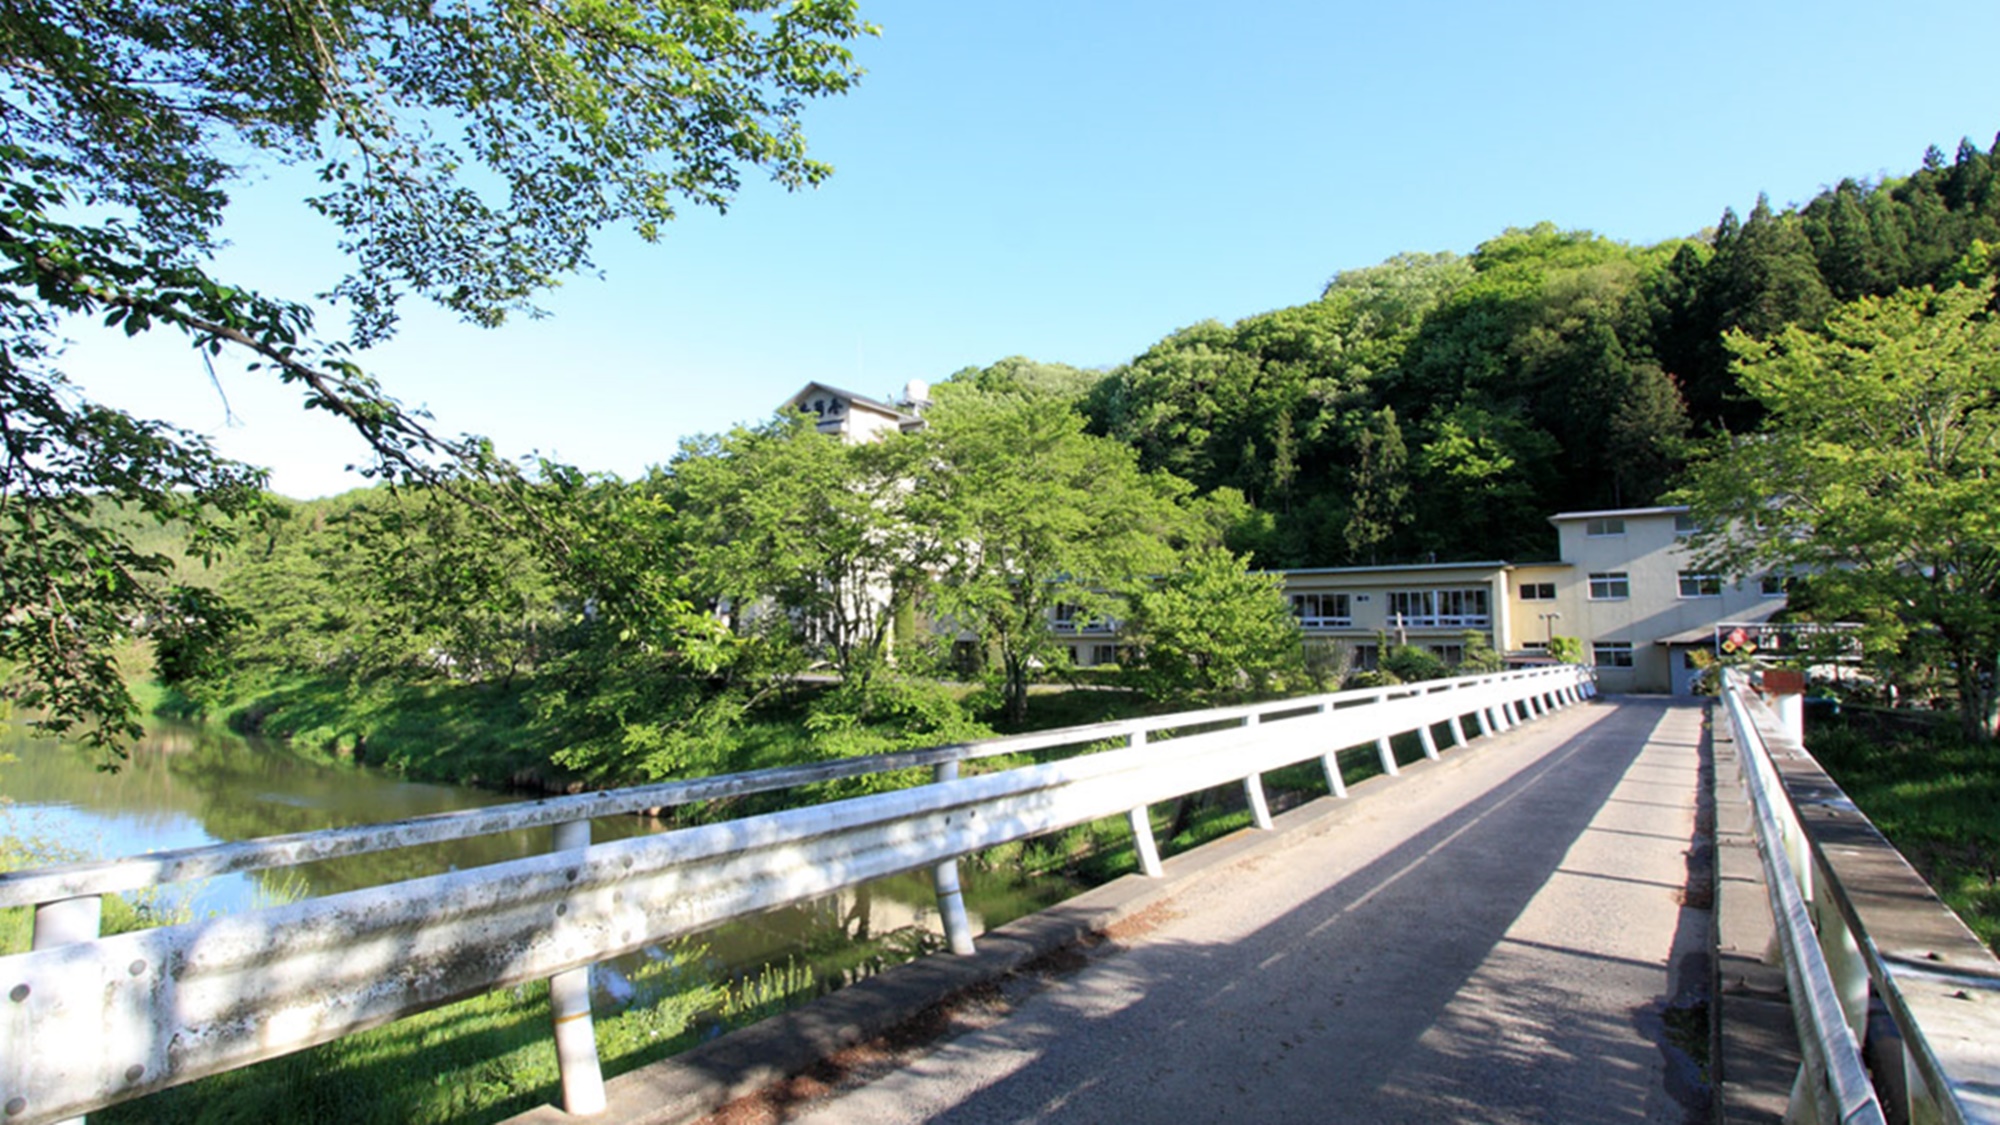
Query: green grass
1934	796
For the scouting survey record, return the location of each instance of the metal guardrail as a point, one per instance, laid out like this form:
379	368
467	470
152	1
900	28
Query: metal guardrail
1859	927
90	1021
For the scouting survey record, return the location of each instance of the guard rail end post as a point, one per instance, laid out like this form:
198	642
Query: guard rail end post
569	1007
65	922
950	895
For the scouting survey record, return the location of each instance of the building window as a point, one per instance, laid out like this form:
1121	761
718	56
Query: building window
1459	607
1613	585
1320	611
1536	591
1452	655
1535	646
1700	585
1612	654
1684	524
1775	585
1367	658
1602	527
1103	654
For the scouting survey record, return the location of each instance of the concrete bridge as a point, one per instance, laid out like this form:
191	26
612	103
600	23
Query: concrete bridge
1505	934
1514	926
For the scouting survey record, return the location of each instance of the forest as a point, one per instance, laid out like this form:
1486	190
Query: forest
562	624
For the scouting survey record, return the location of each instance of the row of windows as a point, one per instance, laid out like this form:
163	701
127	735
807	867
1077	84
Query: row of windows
1613	525
1467	606
1615	585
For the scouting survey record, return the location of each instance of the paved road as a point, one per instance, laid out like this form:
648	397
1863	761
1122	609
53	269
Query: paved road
1497	940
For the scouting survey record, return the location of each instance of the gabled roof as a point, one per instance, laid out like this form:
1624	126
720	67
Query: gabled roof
850	397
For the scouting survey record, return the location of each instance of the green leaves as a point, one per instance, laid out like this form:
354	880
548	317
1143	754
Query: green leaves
1877	471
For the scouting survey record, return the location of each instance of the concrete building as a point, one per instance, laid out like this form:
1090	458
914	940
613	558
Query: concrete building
858	419
1623	583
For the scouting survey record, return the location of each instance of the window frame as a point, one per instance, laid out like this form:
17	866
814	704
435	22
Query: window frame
1704	584
1599	650
1604	527
1616	586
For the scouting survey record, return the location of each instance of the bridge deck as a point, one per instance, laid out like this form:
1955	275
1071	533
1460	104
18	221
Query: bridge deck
1499	940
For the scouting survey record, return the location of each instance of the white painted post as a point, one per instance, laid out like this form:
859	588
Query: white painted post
1485	717
68	921
65	922
950	896
569	1006
1429	740
1457	732
1843	961
1335	784
1260	810
1142	839
1330	762
1387	753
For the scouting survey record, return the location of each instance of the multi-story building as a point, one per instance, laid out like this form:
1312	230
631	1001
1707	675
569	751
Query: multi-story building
1623	583
858	419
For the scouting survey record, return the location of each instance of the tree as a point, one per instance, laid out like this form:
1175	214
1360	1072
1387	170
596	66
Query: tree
469	154
1032	513
1378	485
1643	441
1211	630
1877	470
786	513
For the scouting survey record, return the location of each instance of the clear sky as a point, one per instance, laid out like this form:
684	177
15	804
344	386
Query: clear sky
1073	181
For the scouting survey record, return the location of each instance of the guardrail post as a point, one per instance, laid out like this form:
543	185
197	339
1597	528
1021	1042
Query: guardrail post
1429	740
1843	961
1330	762
569	1006
1253	789
950	896
66	922
1387	753
1260	810
1142	839
1457	732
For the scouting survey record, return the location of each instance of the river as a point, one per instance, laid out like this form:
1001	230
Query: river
186	785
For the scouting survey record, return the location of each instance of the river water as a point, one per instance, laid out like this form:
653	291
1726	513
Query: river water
188	785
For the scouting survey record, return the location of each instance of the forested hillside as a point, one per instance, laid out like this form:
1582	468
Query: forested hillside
565	623
1439	405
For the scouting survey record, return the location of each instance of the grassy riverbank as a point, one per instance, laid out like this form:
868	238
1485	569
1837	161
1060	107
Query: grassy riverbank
1934	795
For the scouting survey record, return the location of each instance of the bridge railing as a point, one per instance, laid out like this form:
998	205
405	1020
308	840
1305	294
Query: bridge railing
1861	931
90	1021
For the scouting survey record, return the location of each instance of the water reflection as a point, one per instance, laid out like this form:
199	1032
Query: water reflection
187	785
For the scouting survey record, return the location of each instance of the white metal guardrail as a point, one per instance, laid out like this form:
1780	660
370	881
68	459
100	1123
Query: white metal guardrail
1856	923
90	1021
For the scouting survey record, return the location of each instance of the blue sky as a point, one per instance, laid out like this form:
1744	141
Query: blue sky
1073	181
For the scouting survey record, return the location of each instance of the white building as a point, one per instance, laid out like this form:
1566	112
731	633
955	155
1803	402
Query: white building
1623	583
